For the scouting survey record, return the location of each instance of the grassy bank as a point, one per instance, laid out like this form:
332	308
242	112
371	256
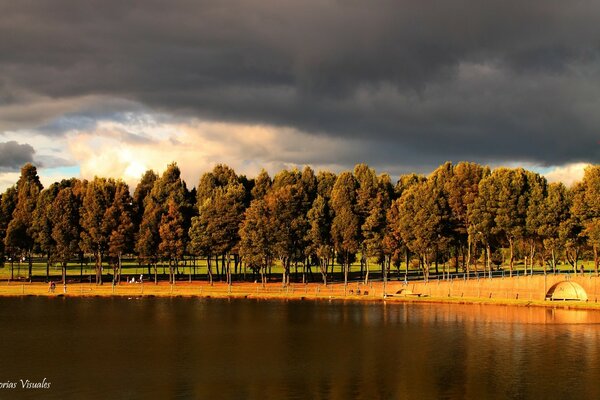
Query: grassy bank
334	292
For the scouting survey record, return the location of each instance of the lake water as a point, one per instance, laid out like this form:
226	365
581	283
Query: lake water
96	348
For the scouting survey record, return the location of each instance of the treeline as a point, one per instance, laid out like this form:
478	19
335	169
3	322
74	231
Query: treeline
462	215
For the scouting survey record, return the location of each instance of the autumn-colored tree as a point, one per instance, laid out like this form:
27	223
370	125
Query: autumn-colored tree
214	233
319	242
554	213
64	218
422	222
536	193
406	182
257	238
262	184
119	221
571	231
43	224
7	207
142	190
172	236
499	212
95	228
586	208
374	228
168	186
461	191
345	228
19	233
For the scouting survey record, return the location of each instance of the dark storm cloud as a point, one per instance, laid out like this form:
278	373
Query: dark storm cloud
13	155
417	82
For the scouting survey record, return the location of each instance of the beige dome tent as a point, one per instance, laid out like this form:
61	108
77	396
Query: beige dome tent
566	290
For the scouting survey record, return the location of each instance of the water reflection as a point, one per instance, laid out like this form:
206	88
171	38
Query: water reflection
194	348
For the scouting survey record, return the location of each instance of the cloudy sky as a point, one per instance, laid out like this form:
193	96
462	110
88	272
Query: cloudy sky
113	88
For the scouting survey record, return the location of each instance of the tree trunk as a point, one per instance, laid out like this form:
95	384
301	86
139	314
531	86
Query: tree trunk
48	268
385	258
475	266
531	255
30	261
489	258
456	258
366	271
119	269
512	255
468	264
64	273
209	269
228	266
346	268
596	259
99	268
407	256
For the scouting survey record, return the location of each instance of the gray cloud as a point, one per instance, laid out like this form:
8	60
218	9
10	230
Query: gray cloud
13	155
415	82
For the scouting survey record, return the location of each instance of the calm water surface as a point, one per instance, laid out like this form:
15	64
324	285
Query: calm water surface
244	349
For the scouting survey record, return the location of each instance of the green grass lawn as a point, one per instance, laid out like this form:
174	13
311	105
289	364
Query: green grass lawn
132	268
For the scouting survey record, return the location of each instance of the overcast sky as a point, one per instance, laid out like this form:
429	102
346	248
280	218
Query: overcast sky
112	88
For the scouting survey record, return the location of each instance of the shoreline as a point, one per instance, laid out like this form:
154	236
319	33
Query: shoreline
271	291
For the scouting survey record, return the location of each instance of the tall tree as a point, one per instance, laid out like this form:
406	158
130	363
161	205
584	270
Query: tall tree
19	233
64	217
500	210
169	186
95	228
586	208
142	190
262	184
43	224
172	236
374	228
257	238
554	213
422	222
319	242
461	191
366	194
536	193
345	228
119	221
7	207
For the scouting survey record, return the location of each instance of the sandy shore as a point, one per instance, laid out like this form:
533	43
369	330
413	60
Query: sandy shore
312	291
